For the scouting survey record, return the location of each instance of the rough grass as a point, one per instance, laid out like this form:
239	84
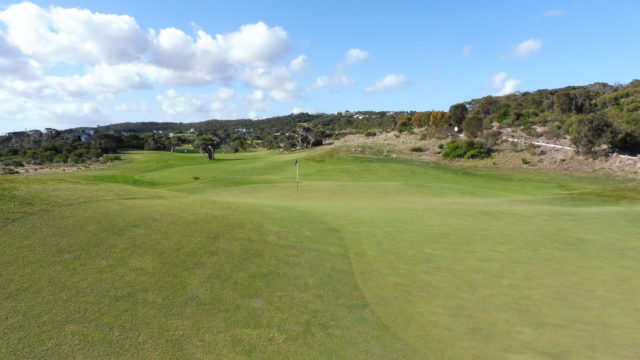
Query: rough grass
372	258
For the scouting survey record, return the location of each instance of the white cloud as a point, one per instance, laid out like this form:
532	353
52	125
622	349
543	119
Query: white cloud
14	64
355	56
73	35
27	114
100	81
256	104
299	64
390	82
338	78
224	103
525	48
256	44
467	51
169	56
553	12
106	54
224	93
175	104
247	55
252	45
277	80
341	75
503	84
172	103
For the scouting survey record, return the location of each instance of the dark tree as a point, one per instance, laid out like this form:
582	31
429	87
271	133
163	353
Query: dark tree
107	143
472	125
628	142
487	105
457	114
157	142
563	102
208	144
591	132
133	141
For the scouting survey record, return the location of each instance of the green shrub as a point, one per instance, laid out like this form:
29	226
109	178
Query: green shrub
476	154
530	131
473	125
628	142
76	158
553	133
12	162
370	133
110	157
591	132
46	156
465	149
61	158
417	149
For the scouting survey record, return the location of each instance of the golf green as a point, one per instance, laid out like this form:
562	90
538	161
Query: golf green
172	256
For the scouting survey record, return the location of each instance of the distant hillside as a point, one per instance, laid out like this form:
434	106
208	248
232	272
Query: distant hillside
598	117
560	108
555	108
361	120
261	127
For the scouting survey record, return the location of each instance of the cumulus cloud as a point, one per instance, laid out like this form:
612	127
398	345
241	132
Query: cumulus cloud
503	84
252	45
525	49
175	104
103	55
122	57
100	81
14	64
255	103
467	51
28	114
391	82
277	80
73	35
299	64
355	56
341	75
224	103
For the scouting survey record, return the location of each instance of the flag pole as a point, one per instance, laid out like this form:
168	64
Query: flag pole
297	176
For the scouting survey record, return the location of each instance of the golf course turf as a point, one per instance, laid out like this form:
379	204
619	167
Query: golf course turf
171	256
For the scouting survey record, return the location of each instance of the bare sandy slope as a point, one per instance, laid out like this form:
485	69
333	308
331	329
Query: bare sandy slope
514	149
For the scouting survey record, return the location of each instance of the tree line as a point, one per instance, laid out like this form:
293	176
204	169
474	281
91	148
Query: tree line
598	118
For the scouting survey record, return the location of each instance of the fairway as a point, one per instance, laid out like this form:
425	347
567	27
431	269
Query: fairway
166	256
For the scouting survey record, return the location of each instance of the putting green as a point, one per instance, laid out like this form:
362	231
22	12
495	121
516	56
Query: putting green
371	258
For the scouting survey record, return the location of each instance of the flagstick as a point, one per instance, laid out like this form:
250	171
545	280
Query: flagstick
297	177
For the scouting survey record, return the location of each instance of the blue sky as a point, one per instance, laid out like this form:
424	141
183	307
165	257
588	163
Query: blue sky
66	64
